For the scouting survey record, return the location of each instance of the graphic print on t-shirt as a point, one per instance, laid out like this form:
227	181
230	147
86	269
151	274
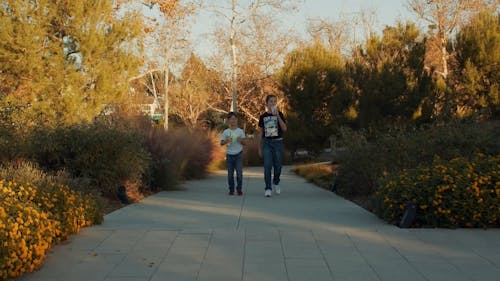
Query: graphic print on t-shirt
271	126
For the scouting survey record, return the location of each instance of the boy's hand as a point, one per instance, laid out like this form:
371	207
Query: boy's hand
260	152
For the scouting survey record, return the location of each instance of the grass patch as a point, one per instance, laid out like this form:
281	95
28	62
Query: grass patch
319	173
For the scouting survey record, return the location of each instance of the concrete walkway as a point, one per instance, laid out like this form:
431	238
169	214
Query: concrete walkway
306	233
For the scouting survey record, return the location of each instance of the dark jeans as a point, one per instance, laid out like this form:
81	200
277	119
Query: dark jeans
234	162
272	151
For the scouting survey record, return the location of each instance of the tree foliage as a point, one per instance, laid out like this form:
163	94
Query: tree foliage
389	78
478	57
249	36
62	61
167	35
311	78
444	16
192	93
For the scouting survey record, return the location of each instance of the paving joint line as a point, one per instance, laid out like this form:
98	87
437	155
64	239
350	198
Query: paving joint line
446	260
243	203
102	241
364	258
322	254
244	254
164	256
403	256
205	254
124	256
283	253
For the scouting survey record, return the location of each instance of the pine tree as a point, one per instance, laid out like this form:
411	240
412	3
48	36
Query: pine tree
388	75
478	57
310	79
62	61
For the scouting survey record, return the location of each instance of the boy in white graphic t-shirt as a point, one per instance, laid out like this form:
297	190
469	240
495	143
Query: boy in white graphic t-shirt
234	138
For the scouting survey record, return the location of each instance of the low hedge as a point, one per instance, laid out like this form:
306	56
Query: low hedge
105	154
364	162
448	193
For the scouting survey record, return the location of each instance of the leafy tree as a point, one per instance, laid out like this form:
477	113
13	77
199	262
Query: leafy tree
251	21
167	36
62	61
478	56
388	76
311	78
193	92
444	16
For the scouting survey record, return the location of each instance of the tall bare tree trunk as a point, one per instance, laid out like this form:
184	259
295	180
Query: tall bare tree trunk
447	15
240	16
234	81
155	94
234	75
166	77
444	57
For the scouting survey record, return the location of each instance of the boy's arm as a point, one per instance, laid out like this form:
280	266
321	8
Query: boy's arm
259	141
260	136
242	139
281	122
224	139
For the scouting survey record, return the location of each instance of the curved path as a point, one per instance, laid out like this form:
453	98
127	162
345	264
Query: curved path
306	233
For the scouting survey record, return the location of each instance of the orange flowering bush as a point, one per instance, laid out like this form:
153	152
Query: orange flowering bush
26	232
33	218
455	193
70	208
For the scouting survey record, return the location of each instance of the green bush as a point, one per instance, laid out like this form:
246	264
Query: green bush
106	155
363	162
28	172
448	193
9	145
359	168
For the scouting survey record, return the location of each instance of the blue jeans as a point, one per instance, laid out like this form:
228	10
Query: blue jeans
273	156
234	162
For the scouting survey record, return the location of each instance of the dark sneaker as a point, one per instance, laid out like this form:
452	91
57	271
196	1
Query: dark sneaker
231	192
240	192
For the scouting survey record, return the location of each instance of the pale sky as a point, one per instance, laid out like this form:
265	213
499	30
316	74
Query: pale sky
387	13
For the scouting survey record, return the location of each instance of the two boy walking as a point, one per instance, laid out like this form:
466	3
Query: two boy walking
272	124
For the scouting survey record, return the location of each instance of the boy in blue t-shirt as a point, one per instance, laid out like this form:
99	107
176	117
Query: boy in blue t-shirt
234	138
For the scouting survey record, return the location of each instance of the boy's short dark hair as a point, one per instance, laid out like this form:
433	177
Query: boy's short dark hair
270	96
231	114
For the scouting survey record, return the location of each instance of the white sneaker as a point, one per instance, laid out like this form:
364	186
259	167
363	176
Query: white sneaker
267	193
277	189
